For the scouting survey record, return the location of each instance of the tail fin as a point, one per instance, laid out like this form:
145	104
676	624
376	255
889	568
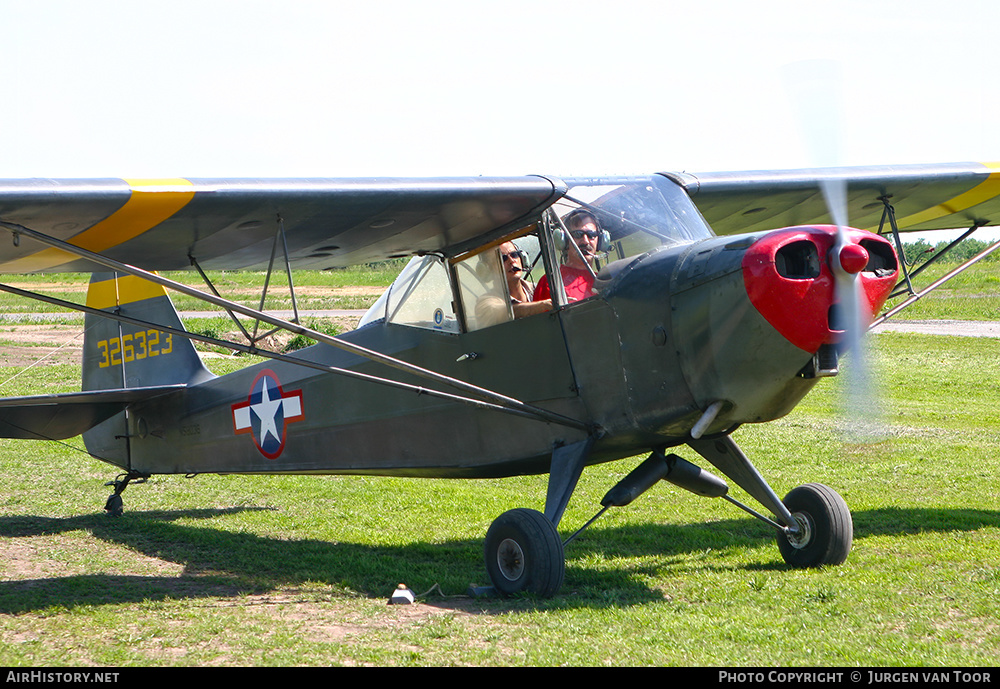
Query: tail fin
120	355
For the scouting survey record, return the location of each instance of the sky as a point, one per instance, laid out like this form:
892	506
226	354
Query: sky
218	88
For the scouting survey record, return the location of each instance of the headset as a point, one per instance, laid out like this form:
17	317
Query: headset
578	217
519	253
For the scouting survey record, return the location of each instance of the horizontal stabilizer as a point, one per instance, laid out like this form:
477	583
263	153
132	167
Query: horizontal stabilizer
57	417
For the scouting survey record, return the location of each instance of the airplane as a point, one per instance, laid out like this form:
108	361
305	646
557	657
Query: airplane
708	301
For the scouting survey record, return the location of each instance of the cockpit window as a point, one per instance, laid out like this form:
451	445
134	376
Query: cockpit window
483	290
631	216
639	214
420	297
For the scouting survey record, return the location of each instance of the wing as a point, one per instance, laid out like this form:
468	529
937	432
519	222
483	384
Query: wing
231	224
924	197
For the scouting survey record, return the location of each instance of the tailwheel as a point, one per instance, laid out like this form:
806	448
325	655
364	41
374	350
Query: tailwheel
826	529
524	554
115	506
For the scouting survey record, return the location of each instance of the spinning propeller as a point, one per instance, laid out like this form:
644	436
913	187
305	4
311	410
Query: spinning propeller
814	89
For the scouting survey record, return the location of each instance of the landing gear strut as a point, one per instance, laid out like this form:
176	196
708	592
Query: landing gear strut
524	553
114	506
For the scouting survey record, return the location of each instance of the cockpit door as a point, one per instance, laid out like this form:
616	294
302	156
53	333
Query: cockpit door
521	356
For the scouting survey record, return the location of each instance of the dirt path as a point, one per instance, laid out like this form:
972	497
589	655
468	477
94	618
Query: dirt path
957	328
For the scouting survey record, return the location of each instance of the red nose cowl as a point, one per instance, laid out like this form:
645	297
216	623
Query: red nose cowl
788	277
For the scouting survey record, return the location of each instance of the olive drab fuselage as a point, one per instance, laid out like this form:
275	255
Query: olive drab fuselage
676	324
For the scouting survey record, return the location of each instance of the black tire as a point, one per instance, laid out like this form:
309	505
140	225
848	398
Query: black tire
827	529
115	506
524	554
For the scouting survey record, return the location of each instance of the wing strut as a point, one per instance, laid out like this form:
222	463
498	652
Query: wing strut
914	296
889	213
251	349
255	337
499	402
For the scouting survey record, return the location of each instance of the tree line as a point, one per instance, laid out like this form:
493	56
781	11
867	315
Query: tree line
915	253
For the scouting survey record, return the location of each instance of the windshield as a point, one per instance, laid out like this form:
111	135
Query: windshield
612	218
639	214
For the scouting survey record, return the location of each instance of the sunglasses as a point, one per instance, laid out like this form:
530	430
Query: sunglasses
579	234
511	256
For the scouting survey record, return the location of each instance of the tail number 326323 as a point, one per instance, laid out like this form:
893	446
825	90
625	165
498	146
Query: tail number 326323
134	347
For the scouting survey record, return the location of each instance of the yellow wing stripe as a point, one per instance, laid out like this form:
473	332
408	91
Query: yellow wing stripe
126	289
984	191
152	201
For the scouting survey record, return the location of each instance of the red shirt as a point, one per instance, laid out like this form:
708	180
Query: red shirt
579	284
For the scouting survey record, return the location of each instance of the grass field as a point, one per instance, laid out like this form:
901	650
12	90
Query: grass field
236	571
971	295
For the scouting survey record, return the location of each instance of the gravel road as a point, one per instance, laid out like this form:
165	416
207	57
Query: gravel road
959	328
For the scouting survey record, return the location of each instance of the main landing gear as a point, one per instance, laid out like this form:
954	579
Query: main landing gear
825	528
524	553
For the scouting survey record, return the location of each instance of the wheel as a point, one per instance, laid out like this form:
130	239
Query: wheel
115	507
826	529
524	554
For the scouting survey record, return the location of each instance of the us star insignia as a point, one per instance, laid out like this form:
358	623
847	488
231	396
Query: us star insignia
267	412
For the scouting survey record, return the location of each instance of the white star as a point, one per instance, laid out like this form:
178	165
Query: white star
266	410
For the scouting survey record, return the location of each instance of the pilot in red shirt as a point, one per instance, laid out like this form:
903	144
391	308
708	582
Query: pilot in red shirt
576	275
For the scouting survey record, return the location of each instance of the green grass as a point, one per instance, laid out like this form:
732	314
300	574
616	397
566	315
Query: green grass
972	295
245	570
296	570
